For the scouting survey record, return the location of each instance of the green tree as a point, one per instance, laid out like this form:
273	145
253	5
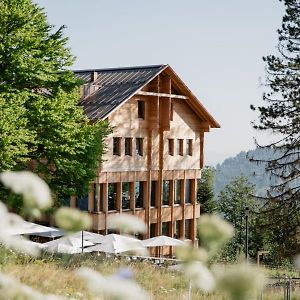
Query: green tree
233	200
42	127
280	116
205	191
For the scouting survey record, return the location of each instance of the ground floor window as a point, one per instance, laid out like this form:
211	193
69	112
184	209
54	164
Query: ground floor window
166	192
112	196
165	228
187	229
153	230
125	195
188	190
82	202
139	194
177	229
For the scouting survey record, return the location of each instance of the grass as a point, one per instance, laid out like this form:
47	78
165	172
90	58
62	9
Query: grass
56	274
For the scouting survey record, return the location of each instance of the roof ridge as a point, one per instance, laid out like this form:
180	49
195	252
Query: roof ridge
121	68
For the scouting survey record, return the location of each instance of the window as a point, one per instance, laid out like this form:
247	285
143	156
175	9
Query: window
189	147
95	200
112	196
166	192
187	229
139	146
153	193
178	190
153	227
179	147
101	196
82	202
188	190
171	111
171	146
125	195
165	228
116	146
177	229
141	109
128	146
139	194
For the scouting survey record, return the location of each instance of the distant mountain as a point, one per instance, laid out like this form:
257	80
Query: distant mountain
240	165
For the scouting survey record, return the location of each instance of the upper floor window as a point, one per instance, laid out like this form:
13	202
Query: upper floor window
141	109
171	146
189	147
128	146
116	146
179	147
188	190
139	146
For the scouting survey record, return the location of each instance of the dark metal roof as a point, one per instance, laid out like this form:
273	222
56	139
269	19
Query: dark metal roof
115	87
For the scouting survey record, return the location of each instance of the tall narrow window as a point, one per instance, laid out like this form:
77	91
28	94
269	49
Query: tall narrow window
153	193
187	229
116	146
128	146
139	194
177	229
171	146
125	195
82	202
166	192
178	191
95	200
139	146
188	190
189	147
179	147
153	229
141	109
101	202
165	228
112	196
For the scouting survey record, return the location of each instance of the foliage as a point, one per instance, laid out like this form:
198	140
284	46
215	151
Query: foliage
205	192
280	116
233	200
42	127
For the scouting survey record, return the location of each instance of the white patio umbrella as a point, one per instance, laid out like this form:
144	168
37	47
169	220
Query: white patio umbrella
67	244
115	243
25	227
162	240
52	234
88	236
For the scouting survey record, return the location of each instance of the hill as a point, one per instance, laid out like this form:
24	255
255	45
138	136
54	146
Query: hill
240	165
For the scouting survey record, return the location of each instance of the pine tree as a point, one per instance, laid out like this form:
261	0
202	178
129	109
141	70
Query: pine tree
205	191
281	116
42	127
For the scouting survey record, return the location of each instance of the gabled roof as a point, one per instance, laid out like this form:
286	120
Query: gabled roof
116	85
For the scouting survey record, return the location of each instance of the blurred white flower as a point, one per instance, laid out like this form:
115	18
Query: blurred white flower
241	282
126	223
114	287
11	288
190	254
9	220
214	231
72	219
200	276
36	193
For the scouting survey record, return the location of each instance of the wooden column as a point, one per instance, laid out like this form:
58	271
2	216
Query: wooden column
73	201
194	202
201	150
119	197
91	198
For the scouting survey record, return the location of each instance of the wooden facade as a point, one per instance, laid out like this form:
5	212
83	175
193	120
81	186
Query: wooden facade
153	160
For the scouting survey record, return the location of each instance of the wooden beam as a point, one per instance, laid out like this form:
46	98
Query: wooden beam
161	95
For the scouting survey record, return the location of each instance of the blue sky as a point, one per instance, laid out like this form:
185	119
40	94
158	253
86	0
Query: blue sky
216	47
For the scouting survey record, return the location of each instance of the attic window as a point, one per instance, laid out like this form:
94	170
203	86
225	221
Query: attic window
141	109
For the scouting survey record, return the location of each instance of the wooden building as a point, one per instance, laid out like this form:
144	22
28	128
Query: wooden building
155	152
